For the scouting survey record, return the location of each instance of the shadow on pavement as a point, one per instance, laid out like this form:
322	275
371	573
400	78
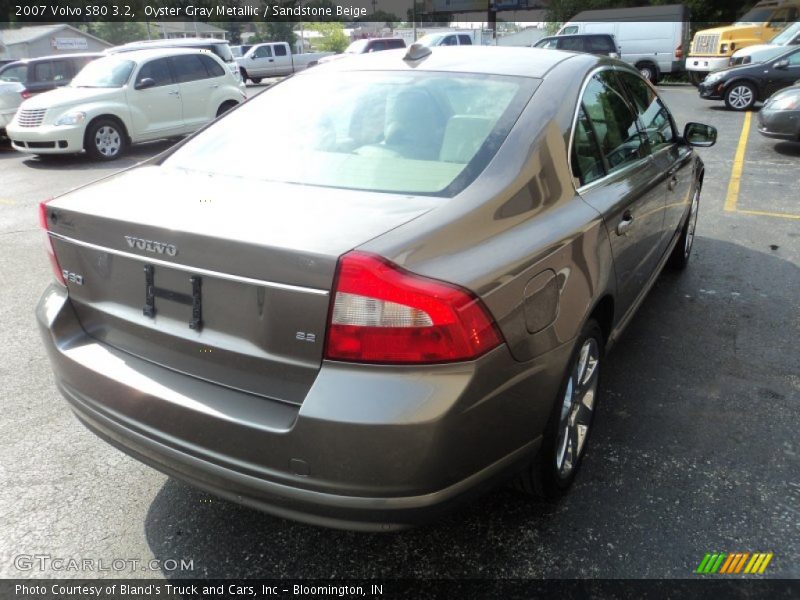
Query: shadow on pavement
82	162
693	450
788	148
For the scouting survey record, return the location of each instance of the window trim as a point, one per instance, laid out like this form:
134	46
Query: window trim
579	188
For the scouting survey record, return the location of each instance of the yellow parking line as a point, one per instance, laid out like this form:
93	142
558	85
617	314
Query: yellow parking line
738	164
765	213
4	201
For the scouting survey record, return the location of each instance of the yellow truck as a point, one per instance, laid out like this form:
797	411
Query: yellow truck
712	48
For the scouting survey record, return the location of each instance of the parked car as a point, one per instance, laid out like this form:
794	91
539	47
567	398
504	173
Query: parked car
274	59
779	118
651	38
712	48
593	43
741	87
761	52
46	73
446	39
365	47
403	298
11	96
219	47
127	98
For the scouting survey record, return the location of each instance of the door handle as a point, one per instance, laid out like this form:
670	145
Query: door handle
625	224
174	93
672	183
271	60
215	86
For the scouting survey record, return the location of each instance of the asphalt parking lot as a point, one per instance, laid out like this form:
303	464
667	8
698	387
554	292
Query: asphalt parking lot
694	449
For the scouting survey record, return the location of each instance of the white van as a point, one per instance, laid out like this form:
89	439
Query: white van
651	38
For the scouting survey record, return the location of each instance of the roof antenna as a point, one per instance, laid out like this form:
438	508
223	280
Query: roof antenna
417	51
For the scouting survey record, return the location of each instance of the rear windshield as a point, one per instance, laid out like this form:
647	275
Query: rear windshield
16	73
787	35
108	72
401	132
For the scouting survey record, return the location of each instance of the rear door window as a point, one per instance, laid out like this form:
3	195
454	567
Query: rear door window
587	161
464	40
571	44
600	45
213	68
188	68
280	50
157	70
614	121
450	40
395	44
51	71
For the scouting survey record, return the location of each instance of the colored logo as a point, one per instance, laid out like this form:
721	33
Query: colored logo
735	562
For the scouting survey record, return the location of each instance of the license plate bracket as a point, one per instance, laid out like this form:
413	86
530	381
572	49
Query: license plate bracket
195	299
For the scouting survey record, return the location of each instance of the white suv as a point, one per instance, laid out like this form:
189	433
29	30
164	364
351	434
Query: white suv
127	98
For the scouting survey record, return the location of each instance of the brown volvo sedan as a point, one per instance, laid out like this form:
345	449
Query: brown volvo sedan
377	286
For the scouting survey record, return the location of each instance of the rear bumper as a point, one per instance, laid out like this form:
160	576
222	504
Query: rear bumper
370	448
779	124
47	139
706	64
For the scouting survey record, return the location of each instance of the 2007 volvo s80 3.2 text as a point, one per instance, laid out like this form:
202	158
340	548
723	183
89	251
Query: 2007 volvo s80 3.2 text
377	286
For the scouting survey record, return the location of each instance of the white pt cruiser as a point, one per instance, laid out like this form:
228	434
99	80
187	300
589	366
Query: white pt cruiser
127	98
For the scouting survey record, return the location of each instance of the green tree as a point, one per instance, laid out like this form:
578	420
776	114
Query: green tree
117	32
333	37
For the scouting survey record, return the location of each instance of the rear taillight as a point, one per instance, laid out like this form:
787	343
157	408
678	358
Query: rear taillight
382	313
48	242
679	52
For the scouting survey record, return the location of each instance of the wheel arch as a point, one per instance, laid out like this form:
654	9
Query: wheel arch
111	116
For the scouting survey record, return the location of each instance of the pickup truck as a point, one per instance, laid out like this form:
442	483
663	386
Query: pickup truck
274	59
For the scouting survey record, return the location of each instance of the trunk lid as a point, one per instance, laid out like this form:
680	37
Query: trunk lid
262	256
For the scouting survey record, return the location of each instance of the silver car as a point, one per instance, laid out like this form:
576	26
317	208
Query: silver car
377	287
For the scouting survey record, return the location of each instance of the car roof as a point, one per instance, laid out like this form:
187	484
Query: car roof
176	42
27	61
497	60
145	54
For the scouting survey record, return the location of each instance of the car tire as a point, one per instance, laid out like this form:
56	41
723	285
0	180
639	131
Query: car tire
649	71
255	80
695	78
225	107
105	139
741	95
553	470
682	251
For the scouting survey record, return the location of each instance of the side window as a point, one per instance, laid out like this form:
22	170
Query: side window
18	74
377	46
614	121
262	52
569	30
212	67
572	44
464	40
794	59
280	50
653	115
600	45
51	71
157	70
450	40
549	44
587	162
395	44
188	68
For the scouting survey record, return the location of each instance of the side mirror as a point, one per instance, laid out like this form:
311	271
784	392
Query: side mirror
145	83
702	136
781	64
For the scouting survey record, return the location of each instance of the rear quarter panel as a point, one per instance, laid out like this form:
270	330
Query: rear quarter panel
520	218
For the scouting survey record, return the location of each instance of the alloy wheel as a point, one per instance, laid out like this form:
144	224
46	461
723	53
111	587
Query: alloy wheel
740	97
577	408
108	141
